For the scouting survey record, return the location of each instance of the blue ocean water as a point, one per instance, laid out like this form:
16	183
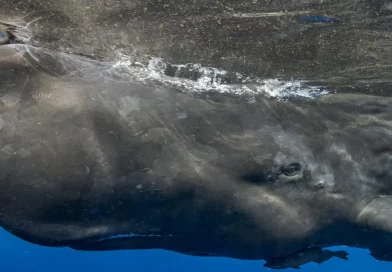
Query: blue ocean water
18	255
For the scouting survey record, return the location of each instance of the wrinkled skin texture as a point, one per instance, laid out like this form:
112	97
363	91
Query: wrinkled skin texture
86	158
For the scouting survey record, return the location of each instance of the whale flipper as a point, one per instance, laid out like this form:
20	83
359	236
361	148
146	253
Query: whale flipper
377	215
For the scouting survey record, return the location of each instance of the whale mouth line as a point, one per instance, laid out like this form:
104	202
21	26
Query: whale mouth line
124	241
123	236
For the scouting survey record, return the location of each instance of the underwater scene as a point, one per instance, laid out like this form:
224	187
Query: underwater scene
195	135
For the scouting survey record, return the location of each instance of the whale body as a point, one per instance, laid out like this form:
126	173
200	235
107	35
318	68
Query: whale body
112	138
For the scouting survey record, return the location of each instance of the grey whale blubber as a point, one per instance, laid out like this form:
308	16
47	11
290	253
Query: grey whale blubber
95	163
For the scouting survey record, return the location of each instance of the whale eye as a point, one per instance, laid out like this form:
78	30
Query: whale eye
291	169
